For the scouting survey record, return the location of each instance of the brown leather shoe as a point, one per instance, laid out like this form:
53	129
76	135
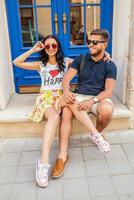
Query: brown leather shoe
58	168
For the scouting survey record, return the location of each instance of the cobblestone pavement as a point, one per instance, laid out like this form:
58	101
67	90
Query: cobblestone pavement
90	175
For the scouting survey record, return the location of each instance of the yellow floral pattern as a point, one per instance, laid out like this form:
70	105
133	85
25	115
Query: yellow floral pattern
44	100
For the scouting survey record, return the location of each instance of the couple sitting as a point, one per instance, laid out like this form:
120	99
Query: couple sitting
96	81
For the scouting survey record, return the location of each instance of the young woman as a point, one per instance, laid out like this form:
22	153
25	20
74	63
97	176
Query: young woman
51	69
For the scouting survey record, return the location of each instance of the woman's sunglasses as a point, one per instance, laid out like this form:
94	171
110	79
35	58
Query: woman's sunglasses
94	42
48	46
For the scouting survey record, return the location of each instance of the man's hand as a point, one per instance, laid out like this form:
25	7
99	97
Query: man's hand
69	97
85	104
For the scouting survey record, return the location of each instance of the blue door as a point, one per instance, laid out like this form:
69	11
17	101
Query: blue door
70	20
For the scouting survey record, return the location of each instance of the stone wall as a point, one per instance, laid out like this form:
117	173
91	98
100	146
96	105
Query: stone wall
6	70
130	78
120	47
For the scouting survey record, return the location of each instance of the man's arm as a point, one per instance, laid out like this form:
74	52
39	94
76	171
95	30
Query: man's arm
109	88
69	96
107	93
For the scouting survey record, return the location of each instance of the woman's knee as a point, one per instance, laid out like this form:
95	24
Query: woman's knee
52	114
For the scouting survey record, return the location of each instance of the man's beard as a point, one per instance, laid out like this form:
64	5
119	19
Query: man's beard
96	54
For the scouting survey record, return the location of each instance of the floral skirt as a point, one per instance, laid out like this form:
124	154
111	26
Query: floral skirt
44	100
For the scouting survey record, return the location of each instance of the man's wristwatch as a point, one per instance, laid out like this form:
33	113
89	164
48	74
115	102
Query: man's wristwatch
95	99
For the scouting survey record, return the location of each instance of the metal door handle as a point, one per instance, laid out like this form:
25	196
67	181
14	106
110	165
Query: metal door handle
64	19
56	23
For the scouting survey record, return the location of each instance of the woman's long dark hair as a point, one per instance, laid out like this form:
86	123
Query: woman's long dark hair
59	54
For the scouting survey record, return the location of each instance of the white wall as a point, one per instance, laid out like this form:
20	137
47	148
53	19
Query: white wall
6	71
121	20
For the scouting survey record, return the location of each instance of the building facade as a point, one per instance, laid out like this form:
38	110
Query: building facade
23	23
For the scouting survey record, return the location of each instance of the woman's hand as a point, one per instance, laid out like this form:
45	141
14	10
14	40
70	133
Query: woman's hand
38	47
69	97
20	61
107	57
68	61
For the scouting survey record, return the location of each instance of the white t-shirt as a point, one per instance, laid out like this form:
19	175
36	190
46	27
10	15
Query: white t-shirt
51	78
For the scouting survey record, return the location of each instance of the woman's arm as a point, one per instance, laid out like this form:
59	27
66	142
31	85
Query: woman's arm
107	57
68	61
69	96
20	61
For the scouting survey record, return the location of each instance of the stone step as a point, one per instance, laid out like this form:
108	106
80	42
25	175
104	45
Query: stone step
14	122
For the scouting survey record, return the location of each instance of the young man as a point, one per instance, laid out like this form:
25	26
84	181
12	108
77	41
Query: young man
96	83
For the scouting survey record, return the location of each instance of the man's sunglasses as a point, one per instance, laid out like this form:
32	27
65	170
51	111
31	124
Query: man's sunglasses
94	42
48	46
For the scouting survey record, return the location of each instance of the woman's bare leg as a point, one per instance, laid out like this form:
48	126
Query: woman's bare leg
81	115
96	137
52	117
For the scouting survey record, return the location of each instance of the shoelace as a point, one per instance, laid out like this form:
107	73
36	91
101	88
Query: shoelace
104	144
99	139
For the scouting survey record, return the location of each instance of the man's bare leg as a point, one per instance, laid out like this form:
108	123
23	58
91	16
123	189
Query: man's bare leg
82	116
105	110
65	132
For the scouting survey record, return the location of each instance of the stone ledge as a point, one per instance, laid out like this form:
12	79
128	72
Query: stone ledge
14	122
32	129
21	104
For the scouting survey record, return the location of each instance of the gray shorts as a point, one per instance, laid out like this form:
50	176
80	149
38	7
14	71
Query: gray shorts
81	97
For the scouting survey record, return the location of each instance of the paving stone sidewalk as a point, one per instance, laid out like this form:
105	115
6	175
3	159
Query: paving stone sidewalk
90	175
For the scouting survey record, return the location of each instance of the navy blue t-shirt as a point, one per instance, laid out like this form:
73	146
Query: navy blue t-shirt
91	79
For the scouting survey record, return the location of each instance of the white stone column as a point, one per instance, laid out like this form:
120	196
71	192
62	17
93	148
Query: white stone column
120	50
130	78
6	70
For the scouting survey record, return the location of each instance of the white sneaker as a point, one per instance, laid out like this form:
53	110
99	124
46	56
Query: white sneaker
102	144
42	173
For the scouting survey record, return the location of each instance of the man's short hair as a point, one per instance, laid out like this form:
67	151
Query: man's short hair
102	32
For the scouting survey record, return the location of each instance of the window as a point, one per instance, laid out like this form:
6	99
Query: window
84	17
35	17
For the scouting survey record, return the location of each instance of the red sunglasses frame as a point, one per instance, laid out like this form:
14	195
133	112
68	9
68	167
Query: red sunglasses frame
53	45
